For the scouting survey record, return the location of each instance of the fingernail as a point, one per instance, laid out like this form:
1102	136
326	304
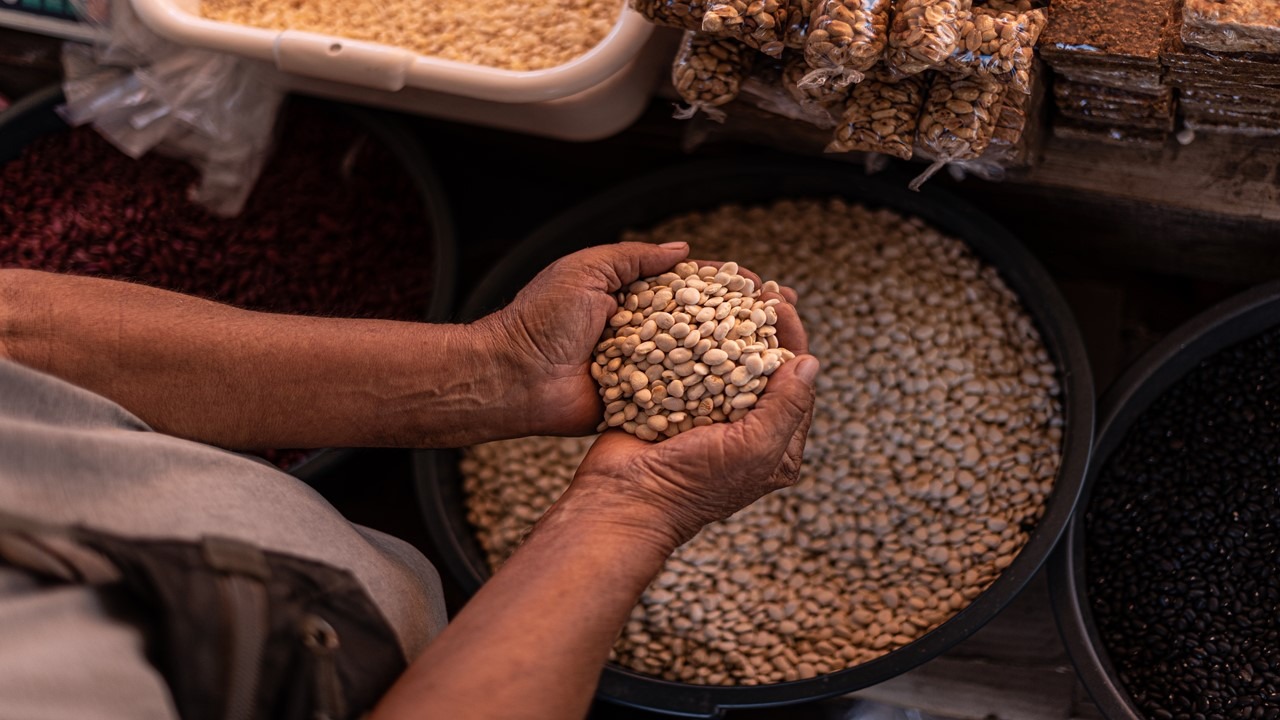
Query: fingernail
807	369
674	245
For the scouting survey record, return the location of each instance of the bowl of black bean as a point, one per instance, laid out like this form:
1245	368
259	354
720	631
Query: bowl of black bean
1167	585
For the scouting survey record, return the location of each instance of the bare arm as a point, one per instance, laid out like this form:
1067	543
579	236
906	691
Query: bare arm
243	379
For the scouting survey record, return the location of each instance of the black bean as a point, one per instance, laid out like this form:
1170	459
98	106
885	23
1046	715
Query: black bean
1183	543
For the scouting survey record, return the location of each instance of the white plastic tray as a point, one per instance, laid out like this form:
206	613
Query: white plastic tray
374	66
602	110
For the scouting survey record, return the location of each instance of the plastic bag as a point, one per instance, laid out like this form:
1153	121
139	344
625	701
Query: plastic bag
761	24
880	116
817	97
846	38
958	120
683	14
998	45
765	89
146	94
923	34
1018	135
708	72
797	32
1232	25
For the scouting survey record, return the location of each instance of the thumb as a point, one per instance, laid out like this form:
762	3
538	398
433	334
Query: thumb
786	403
621	264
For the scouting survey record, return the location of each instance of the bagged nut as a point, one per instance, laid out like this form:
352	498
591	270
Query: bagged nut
683	14
923	34
687	348
815	99
758	23
1232	25
797	31
846	38
958	120
998	45
708	73
880	116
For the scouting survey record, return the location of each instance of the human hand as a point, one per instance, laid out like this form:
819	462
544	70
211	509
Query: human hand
669	490
547	336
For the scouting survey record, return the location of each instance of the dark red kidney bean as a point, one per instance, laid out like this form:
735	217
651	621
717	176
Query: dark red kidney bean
320	235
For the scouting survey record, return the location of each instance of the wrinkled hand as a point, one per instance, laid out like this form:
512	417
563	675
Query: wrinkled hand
676	486
548	334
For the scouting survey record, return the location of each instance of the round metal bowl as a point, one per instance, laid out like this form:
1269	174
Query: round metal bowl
648	200
1232	321
34	116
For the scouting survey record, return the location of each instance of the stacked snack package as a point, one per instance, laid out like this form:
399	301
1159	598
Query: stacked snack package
1110	84
1227	66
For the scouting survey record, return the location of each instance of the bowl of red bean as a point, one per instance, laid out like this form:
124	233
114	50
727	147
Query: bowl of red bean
346	220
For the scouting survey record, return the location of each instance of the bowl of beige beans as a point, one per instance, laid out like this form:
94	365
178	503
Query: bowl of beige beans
951	434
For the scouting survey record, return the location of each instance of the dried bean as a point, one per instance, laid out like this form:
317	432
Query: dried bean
653	391
529	35
1181	543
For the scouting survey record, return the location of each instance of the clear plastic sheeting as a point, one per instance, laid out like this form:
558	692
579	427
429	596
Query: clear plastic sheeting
1232	25
145	94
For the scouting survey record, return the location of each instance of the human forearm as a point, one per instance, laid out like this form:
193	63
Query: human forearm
532	642
242	379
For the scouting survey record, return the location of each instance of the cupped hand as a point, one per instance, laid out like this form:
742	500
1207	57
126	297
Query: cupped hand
676	486
548	334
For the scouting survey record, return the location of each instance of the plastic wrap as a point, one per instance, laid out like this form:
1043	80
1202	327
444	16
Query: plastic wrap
761	24
1232	25
797	30
820	96
766	89
146	94
998	45
708	72
958	120
880	116
846	38
923	34
1018	135
683	14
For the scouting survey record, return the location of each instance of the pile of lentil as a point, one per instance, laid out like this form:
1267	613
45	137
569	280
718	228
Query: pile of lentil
935	443
531	35
333	228
1183	543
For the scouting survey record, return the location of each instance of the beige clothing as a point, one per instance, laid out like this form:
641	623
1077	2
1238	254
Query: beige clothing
69	456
